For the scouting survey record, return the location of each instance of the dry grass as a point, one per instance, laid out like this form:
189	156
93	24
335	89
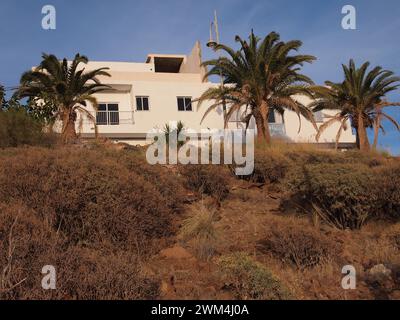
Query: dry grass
199	231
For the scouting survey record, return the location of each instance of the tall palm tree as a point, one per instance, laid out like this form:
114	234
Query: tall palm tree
262	77
67	86
360	98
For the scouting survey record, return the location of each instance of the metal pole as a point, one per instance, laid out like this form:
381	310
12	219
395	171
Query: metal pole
219	55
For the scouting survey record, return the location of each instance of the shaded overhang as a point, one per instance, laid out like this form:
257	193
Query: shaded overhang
166	63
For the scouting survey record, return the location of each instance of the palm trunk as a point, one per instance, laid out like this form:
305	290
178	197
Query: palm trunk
264	112
259	124
376	133
363	142
68	134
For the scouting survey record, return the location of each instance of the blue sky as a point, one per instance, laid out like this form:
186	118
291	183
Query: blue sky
126	30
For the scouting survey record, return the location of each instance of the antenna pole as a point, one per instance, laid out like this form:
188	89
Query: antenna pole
216	26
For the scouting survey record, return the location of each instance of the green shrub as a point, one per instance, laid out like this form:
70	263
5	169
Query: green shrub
298	244
269	166
387	189
17	128
211	180
249	279
307	157
315	156
347	192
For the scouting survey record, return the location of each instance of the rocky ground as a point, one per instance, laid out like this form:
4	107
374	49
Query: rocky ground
242	220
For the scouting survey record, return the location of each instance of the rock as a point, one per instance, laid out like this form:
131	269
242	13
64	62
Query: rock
380	282
379	273
176	252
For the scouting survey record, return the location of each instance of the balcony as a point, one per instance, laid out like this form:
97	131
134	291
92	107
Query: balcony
110	118
277	129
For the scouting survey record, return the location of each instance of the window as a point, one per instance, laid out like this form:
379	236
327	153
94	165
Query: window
107	114
184	104
235	116
142	103
319	116
271	116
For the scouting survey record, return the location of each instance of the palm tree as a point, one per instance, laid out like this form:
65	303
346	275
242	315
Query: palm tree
262	77
360	98
68	87
377	123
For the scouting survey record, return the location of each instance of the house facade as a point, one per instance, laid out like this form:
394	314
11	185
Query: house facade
146	96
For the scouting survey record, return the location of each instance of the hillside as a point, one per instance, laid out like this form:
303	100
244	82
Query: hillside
118	228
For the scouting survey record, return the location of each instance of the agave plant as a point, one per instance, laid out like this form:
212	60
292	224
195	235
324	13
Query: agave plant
261	77
67	86
168	131
360	98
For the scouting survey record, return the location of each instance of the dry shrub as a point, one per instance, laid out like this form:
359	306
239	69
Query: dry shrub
347	192
170	186
199	230
249	279
393	235
269	166
89	197
211	180
91	274
27	244
299	244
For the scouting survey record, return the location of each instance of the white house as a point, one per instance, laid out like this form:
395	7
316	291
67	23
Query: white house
148	95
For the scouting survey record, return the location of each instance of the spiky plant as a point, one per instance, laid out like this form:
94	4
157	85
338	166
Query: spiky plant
168	131
2	95
262	76
67	86
360	98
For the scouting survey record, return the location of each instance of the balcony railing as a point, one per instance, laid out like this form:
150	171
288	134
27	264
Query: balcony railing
277	129
111	118
107	118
